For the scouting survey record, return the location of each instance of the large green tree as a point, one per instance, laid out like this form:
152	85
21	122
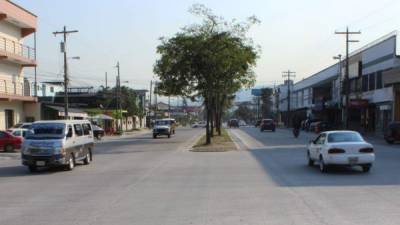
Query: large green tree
211	60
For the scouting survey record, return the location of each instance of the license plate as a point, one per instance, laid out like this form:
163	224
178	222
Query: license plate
40	163
353	160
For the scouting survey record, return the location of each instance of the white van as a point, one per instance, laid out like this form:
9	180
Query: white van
58	143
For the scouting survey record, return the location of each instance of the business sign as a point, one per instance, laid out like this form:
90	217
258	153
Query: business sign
256	92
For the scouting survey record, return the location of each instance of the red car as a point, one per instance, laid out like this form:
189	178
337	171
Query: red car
9	142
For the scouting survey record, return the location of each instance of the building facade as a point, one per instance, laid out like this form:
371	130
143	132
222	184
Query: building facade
374	89
16	24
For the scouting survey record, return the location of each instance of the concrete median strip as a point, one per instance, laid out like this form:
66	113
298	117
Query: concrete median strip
221	143
244	141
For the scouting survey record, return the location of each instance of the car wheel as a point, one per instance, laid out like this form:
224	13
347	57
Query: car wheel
9	148
154	136
366	168
71	163
32	169
310	161
273	130
169	135
88	158
322	167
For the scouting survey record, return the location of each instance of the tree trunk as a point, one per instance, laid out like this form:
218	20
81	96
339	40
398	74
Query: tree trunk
212	121
208	137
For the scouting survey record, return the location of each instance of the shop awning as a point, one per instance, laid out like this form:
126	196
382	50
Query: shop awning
72	112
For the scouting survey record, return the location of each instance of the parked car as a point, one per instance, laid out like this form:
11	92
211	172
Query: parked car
98	132
162	127
21	126
9	142
233	123
344	148
20	132
392	132
242	123
308	122
258	123
200	124
320	126
267	124
58	143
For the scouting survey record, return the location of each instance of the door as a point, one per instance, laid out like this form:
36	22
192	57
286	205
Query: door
9	118
3	137
78	141
317	146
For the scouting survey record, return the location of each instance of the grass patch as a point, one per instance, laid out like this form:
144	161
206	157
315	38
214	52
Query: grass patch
221	143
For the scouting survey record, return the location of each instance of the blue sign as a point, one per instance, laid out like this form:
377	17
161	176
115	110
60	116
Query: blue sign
256	92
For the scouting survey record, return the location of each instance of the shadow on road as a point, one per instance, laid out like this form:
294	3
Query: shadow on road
286	164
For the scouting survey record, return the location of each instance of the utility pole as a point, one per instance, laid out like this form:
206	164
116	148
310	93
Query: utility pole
106	82
341	105
346	75
119	97
35	70
66	79
150	108
288	75
155	98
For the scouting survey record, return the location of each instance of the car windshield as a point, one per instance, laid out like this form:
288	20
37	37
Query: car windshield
344	137
162	122
46	131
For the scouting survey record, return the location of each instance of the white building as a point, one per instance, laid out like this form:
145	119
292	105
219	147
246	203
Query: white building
16	23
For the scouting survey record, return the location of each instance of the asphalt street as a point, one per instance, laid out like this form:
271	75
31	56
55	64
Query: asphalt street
140	180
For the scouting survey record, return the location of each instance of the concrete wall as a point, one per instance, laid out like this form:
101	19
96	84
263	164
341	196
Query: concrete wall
32	110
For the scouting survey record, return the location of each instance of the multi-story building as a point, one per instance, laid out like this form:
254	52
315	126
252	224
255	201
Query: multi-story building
16	23
374	79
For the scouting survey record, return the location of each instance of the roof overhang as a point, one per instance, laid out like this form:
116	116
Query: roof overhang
11	98
18	16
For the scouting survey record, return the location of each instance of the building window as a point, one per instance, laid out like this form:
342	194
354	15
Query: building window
365	83
372	81
379	80
51	89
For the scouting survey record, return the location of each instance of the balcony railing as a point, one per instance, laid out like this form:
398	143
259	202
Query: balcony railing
16	48
14	88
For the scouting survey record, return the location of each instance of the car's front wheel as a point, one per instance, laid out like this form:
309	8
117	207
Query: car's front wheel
9	148
310	161
71	163
154	136
322	166
88	158
366	168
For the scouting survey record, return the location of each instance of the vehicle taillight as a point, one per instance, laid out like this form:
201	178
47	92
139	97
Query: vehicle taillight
336	151
366	150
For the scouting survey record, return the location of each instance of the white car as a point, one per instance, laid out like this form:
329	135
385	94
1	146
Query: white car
345	148
201	124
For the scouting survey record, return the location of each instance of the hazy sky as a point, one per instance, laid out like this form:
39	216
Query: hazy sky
293	34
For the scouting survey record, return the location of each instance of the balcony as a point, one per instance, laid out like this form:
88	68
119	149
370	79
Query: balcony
12	91
18	16
16	52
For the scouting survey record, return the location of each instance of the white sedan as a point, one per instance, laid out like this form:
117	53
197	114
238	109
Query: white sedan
346	148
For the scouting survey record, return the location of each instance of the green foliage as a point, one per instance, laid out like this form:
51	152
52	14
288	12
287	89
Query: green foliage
244	113
129	101
211	60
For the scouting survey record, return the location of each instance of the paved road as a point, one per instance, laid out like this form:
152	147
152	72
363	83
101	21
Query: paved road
145	181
